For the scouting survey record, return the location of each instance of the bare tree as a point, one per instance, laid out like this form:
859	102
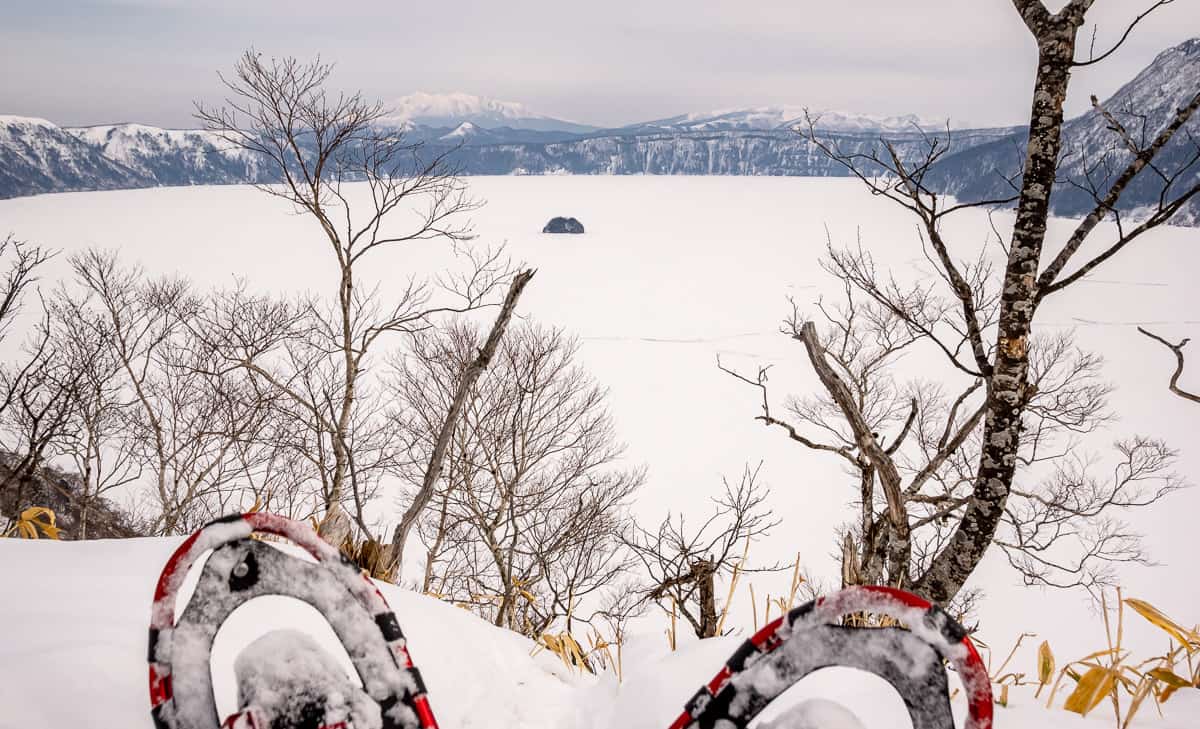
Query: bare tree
31	405
186	423
95	439
316	144
37	420
911	450
21	273
683	563
527	511
982	321
284	348
23	262
1177	350
470	374
1064	532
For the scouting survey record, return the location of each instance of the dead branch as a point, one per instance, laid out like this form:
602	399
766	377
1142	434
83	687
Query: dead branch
1177	349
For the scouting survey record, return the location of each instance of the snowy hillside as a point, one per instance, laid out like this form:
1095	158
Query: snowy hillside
171	156
664	152
47	158
37	156
787	117
462	131
1093	155
78	659
470	133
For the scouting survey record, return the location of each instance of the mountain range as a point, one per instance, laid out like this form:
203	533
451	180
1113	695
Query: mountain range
1090	160
485	136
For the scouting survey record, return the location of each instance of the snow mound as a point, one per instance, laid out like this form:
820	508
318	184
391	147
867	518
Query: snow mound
285	672
815	714
73	656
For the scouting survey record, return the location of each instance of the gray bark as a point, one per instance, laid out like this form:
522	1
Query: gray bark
1007	387
470	374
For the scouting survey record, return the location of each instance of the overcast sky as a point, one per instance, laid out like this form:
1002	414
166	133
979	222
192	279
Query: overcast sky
606	63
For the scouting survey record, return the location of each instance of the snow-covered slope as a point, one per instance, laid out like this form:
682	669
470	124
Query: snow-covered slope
787	117
451	110
466	129
665	152
469	132
1093	155
72	656
38	156
172	156
840	121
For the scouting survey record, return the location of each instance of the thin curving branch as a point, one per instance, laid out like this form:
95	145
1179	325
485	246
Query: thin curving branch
1124	37
1173	385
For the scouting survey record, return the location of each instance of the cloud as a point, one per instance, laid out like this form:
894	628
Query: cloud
609	63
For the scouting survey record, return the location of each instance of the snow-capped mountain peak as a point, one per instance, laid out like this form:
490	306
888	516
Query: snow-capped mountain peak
462	131
453	109
422	105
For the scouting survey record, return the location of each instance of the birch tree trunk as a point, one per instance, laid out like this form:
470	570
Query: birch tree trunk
1007	392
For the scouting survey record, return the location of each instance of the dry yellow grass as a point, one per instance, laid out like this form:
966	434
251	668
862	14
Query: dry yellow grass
1113	674
733	581
34	522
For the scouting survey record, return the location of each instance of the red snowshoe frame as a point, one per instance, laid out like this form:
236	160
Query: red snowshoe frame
804	640
181	694
809	638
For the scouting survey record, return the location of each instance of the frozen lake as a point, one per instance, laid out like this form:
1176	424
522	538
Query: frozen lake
674	271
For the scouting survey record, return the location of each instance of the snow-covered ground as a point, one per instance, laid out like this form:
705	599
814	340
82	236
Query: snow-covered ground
72	656
671	272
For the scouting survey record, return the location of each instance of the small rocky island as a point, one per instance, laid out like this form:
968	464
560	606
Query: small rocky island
563	225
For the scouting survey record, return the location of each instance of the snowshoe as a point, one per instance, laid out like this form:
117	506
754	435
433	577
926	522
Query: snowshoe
285	681
810	638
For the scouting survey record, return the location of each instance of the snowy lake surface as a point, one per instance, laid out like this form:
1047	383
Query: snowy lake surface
674	271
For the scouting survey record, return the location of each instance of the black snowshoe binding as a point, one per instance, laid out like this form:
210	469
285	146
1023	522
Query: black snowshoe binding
811	637
285	681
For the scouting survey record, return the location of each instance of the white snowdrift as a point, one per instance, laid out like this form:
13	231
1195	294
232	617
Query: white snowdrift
72	656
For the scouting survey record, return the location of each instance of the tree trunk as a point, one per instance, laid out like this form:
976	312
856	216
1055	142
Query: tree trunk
703	573
875	462
1007	388
435	549
470	374
84	502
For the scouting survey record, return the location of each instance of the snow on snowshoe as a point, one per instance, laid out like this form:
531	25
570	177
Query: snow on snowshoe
285	681
810	637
